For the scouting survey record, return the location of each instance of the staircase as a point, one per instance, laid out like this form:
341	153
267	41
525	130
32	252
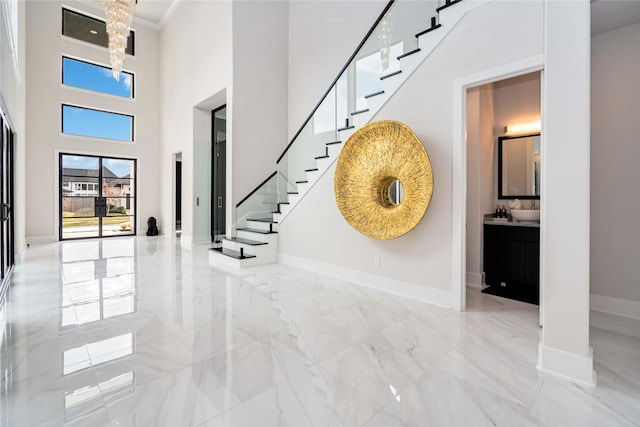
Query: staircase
317	145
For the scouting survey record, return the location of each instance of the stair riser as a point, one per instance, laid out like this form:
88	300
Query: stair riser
259	225
269	238
224	262
257	250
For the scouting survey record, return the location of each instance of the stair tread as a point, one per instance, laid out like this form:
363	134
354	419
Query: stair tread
322	157
231	253
422	33
333	143
359	111
411	52
345	128
451	3
311	170
292	192
371	95
245	241
267	220
256	230
395	73
302	182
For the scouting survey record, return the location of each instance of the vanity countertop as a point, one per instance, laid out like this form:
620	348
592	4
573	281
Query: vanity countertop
489	220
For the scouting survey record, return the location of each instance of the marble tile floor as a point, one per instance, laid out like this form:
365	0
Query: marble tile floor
140	332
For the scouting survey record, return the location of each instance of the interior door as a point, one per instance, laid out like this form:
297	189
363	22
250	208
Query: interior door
219	173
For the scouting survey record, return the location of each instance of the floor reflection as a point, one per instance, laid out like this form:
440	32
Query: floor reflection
98	280
99	283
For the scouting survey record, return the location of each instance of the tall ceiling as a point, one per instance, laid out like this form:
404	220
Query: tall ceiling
151	13
606	15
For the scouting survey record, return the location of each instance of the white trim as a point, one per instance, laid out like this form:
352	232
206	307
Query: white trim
186	240
20	254
386	284
475	279
617	306
459	164
569	366
169	13
39	240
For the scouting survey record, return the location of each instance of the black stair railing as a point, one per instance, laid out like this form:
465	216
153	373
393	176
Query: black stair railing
393	35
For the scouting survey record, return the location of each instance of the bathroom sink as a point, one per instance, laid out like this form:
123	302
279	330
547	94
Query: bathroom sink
525	215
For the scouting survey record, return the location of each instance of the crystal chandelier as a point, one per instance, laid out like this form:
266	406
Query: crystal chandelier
119	15
384	38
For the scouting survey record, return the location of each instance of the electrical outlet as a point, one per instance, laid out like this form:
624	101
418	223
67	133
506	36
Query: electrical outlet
503	284
376	261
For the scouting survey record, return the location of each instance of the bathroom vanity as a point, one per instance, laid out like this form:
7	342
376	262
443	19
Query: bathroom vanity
512	259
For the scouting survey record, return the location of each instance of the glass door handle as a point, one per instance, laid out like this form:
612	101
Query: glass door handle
219	202
6	211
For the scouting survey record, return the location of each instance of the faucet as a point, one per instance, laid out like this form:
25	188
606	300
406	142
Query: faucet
533	205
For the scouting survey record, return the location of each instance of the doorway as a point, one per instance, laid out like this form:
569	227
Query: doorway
218	172
178	192
7	138
97	196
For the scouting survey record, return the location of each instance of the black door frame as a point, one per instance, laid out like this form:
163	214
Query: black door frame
218	198
100	195
7	232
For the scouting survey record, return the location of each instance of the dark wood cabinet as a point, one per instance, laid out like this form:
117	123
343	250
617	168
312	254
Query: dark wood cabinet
512	262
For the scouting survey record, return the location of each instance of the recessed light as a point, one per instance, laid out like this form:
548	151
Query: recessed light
93	32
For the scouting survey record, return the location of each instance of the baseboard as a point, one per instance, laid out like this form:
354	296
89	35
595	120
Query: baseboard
569	366
386	284
39	240
20	254
186	241
475	279
617	306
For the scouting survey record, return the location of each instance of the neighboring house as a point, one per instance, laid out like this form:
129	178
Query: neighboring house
80	185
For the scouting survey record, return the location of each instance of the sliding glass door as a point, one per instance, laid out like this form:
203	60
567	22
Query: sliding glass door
97	196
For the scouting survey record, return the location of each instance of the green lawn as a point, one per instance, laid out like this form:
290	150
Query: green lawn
71	219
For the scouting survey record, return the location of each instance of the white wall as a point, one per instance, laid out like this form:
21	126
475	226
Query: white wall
615	157
322	37
45	94
12	100
196	66
258	107
503	32
564	348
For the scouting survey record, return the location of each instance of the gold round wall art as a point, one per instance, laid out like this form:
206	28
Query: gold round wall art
383	181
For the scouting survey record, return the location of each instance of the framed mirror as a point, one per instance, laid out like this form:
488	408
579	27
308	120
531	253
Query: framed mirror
519	167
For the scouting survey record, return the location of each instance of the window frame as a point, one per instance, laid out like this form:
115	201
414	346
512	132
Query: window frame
132	32
96	64
133	123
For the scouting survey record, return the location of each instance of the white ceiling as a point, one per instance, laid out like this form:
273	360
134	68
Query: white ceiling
609	15
606	15
155	11
150	13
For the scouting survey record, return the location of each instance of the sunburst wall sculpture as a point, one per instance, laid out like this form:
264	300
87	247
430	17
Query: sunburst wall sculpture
372	162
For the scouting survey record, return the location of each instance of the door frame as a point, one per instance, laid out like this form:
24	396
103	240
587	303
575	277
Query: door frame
213	176
5	124
459	168
58	190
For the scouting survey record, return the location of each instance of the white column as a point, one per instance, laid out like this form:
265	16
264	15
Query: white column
564	349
